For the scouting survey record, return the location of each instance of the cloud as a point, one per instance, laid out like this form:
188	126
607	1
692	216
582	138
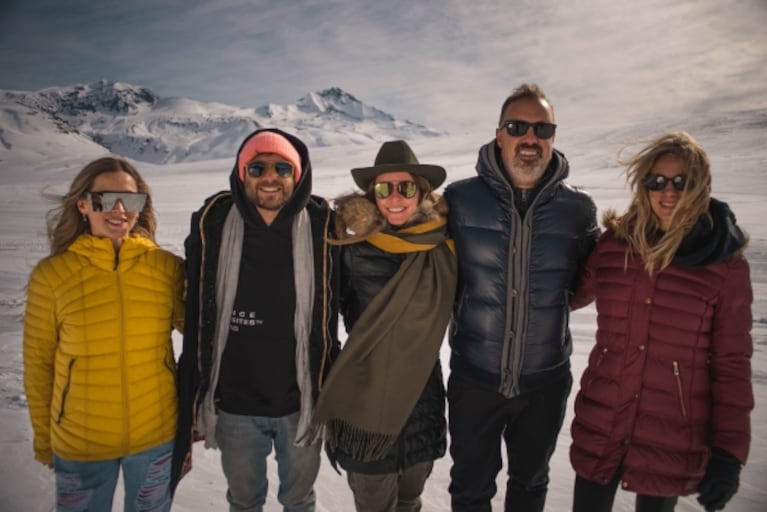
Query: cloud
437	62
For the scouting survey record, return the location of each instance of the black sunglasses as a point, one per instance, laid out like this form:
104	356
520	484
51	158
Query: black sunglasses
106	201
658	182
257	169
406	189
517	128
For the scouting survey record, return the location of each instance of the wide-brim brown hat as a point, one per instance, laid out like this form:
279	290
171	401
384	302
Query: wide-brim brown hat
395	156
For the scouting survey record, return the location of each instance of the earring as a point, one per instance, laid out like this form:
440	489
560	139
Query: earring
85	218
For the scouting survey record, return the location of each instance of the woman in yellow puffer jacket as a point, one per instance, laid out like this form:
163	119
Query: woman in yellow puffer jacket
99	370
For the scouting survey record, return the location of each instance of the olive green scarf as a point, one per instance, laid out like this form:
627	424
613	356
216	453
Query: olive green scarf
381	372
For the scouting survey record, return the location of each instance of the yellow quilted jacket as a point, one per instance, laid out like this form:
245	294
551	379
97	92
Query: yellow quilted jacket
99	371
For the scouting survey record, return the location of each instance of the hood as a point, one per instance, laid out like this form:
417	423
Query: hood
714	238
301	192
490	168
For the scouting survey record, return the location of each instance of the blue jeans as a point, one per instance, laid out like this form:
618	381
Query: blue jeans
246	441
89	486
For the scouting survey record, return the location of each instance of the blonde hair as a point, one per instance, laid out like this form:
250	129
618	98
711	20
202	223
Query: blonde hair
639	227
65	222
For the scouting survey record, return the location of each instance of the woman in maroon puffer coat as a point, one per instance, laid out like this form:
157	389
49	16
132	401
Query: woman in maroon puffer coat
664	404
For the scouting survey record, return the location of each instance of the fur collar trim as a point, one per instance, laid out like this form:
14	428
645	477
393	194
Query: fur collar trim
357	218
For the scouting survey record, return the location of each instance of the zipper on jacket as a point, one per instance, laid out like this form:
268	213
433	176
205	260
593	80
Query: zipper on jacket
679	389
65	391
513	351
123	364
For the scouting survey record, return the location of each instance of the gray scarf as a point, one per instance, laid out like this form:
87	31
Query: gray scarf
229	256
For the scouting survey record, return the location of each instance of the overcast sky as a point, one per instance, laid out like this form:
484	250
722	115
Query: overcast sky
447	64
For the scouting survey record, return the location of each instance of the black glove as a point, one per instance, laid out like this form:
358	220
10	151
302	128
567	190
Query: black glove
721	480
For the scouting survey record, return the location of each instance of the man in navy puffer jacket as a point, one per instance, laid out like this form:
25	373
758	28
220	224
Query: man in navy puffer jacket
521	236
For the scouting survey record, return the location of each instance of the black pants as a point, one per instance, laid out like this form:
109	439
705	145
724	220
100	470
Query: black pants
593	497
529	424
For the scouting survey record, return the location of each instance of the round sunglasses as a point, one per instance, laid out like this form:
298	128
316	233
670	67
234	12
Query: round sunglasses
406	189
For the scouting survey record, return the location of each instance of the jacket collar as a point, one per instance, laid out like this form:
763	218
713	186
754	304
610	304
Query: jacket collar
101	253
490	168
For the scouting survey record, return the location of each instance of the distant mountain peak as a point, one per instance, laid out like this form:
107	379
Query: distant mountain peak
103	96
337	101
322	101
337	95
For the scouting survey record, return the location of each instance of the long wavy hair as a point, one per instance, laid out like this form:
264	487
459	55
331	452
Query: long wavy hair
639	227
65	222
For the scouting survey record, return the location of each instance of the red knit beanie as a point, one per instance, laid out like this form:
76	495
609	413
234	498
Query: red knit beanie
269	142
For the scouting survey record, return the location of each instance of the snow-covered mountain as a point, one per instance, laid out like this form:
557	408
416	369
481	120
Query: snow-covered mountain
135	122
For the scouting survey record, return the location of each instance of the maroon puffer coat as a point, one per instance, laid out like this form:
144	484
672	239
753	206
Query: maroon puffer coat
669	377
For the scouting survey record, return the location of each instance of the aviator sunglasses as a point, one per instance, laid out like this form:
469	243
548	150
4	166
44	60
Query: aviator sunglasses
106	201
517	128
657	182
257	169
406	189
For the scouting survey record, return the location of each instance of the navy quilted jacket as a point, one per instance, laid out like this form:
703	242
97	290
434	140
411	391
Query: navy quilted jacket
510	322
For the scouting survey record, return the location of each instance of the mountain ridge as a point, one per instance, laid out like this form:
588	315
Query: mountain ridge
134	122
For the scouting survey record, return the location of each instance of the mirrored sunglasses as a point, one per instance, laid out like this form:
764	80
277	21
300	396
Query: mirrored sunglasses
658	182
406	189
106	201
257	169
517	128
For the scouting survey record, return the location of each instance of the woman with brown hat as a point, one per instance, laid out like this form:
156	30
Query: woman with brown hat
384	400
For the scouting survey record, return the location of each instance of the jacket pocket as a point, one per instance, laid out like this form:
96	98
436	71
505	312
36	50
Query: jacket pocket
680	391
65	391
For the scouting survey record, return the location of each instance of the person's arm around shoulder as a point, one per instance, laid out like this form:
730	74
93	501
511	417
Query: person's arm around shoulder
583	287
592	233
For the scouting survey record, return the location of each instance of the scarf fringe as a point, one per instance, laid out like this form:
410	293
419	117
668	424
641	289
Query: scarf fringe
360	444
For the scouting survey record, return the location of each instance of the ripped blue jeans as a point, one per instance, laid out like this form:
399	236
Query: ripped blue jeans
90	486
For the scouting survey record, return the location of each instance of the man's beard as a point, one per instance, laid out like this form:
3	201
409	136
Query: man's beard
528	169
273	203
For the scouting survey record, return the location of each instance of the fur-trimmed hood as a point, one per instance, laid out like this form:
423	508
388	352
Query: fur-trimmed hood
357	218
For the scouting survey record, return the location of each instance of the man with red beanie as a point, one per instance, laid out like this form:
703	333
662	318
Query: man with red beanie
261	324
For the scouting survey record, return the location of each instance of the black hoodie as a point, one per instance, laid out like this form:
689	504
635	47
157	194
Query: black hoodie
202	259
